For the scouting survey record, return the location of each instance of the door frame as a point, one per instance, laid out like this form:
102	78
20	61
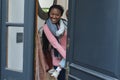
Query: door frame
0	32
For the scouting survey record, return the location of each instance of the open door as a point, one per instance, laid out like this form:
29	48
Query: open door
17	39
94	40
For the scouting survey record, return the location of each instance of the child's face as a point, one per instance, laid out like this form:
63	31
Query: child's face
55	15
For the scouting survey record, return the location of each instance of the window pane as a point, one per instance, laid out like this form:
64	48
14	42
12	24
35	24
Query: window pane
15	48
16	11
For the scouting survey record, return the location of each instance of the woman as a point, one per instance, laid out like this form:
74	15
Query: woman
54	42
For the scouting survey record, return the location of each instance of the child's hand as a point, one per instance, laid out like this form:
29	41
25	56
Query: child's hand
55	74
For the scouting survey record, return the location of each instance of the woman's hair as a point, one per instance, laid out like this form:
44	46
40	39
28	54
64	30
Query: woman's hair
46	51
56	7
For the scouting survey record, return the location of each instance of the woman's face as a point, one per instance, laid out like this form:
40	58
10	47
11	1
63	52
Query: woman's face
55	15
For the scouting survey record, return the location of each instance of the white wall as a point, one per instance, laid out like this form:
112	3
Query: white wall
64	3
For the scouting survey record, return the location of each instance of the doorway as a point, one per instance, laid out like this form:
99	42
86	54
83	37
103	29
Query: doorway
17	39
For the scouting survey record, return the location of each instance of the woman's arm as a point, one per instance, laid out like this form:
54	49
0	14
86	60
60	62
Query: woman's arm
53	41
